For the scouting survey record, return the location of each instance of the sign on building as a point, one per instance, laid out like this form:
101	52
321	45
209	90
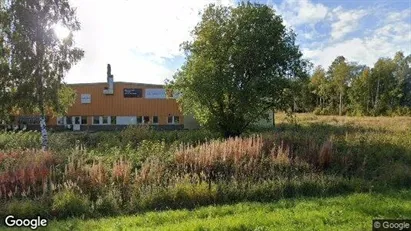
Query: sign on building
151	93
85	98
133	93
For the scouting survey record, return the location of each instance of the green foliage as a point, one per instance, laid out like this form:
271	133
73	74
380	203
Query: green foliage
34	60
349	88
37	74
66	98
24	208
251	73
135	134
182	195
109	203
318	156
69	203
19	140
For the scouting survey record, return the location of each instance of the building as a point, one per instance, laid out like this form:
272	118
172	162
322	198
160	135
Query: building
115	105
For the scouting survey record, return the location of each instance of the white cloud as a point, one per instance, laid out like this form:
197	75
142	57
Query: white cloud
384	41
362	50
345	22
398	16
134	36
399	32
299	12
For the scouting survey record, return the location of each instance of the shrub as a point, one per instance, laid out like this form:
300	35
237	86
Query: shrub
397	174
185	169
19	140
69	203
135	134
317	111
25	208
109	203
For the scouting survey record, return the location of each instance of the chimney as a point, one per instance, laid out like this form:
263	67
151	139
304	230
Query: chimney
110	82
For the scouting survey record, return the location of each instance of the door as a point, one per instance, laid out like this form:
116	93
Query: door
76	121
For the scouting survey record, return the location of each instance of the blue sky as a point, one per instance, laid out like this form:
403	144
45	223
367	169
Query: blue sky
140	39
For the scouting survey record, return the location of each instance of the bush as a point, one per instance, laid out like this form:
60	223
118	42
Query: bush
179	169
135	134
19	140
24	208
397	174
69	203
402	111
109	203
317	111
61	142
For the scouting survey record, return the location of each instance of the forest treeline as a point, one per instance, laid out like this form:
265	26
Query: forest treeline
348	88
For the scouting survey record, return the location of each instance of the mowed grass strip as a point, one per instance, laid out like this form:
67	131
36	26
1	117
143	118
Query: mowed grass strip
353	212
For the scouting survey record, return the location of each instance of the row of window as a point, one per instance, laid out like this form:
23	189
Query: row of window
106	120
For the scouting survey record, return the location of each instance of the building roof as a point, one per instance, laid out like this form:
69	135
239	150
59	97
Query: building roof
130	83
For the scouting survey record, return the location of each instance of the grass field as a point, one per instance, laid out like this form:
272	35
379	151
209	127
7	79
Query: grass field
311	173
352	212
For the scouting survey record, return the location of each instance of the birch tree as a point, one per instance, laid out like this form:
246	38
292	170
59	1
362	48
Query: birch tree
35	60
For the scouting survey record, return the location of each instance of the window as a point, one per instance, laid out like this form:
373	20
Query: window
84	120
104	120
113	120
79	120
139	120
96	119
146	119
76	119
173	120
155	119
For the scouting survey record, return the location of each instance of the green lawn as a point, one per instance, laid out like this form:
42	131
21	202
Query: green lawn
353	212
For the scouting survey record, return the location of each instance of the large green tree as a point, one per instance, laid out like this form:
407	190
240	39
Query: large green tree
362	90
34	60
240	64
385	93
402	75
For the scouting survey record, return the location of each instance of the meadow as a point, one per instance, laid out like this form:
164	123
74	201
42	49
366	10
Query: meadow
320	172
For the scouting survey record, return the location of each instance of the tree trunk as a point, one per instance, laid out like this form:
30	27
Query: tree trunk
44	138
376	95
274	118
340	110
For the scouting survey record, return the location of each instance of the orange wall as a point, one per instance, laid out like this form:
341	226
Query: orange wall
117	105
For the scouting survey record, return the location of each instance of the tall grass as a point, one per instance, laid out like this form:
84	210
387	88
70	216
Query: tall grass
161	170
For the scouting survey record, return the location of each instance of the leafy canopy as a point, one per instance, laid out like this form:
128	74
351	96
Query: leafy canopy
33	59
241	63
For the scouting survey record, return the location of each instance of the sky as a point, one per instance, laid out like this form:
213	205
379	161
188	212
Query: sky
140	38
